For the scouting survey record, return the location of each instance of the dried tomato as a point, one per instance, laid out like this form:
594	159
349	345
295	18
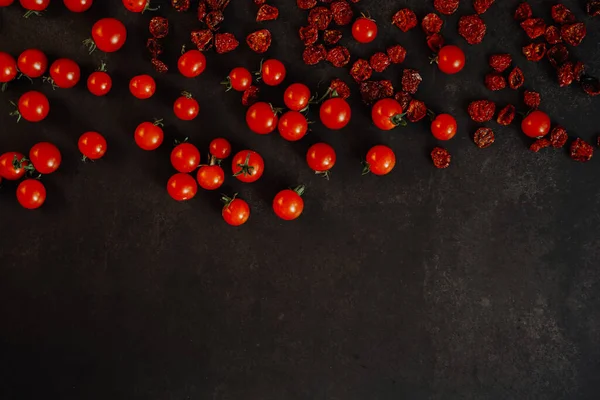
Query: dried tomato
340	88
558	137
482	6
361	70
213	20
411	79
581	150
217	5
534	51
540	144
338	56
202	39
260	2
159	27
565	74
267	13
441	157
472	28
532	99
578	70
593	8
506	115
405	19
309	35
481	110
332	36
320	17
181	5
306	4
516	79
523	12
372	91
154	47
250	96
500	62
484	137
314	54
562	15
495	81
432	23
225	42
590	85
259	41
446	7
379	62
435	42
416	111
403	98
342	12
552	35
557	55
201	11
396	53
534	27
573	34
159	66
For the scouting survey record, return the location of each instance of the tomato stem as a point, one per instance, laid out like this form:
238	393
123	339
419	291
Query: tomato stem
323	174
29	13
21	75
259	72
227	200
4	86
102	67
366	168
187	95
227	84
158	122
16	112
183	49
431	114
300	189
330	92
90	44
148	8
245	168
398	120
50	81
433	59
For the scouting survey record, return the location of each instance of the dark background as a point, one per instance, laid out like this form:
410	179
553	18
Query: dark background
476	282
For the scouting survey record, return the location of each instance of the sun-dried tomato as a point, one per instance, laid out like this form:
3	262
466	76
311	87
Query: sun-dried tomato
482	6
506	115
565	74
213	20
202	39
573	34
432	23
590	85
446	7
532	99
578	70
250	96
495	81
219	5
306	4
562	15
338	56
557	55
534	27
342	12
181	5
500	62
411	79
379	61
154	47
558	137
396	53
552	35
159	66
267	12
259	41
314	54
260	2
540	144
441	157
225	42
416	111
320	17
471	28
371	91
361	70
405	19
481	110
523	12
159	27
202	11
534	51
581	150
435	42
593	8
403	98
484	137
340	88
332	36
308	34
516	79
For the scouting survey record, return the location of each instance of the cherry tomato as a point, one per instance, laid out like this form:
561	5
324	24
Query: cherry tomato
35	5
191	63
239	79
292	126
109	35
99	83
8	170
33	106
6	3
92	145
45	157
185	157
220	148
444	127
65	73
8	67
297	96
451	59
142	86
321	158
335	113
210	177
261	118
236	211
364	30
288	204
273	72
31	194
148	135
32	63
247	166
138	6
387	114
380	160
536	124
186	107
182	187
78	5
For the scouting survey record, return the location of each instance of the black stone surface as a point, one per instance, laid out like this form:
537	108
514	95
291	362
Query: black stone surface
476	282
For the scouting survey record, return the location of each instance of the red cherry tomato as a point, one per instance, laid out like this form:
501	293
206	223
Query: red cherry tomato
536	124
99	83
109	35
78	6
185	157
65	73
31	194
191	63
261	118
364	30
239	79
380	160
236	211
220	148
444	127
148	135
45	157
321	158
6	3
451	59
182	187
92	145
33	106
142	86
292	126
297	96
7	168
273	72
210	177
186	107
335	113
34	5
288	204
32	63
8	67
137	6
387	114
247	166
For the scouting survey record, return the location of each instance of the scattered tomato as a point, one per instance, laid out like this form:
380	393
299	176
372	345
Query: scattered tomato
247	166
261	118
288	204
8	169
99	82
148	135
78	5
191	63
272	72
335	113
321	158
182	187
137	6
380	160
6	3
387	114
34	5
31	194
292	126
536	124
45	157
444	127
185	157
220	148
142	86
364	30
92	145
212	176
297	96
108	34
236	211
239	79
186	107
65	73
33	106
32	63
450	59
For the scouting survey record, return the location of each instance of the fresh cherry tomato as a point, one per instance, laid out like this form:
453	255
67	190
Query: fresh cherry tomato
45	157
297	96
536	124
364	30
451	59
247	166
182	187
7	168
236	211
92	145
65	73
288	203
261	118
387	114
335	113
444	127
220	148
6	3
78	5
380	160
99	82
8	67
34	5
210	177
137	6
273	72
292	126
31	194
33	106
108	34
239	79
321	158
185	157
148	135
186	107
142	86
191	63
32	63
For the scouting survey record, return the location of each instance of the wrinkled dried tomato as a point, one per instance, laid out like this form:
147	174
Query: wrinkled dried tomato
573	34
181	5
379	62
592	8
516	79
578	70
320	17
435	42
403	98
159	27
219	5
306	4
267	12
411	79
441	157
340	88
534	51
482	6
225	42
552	35
342	12
259	41
314	54
372	91
495	81
534	27
471	28
202	39
159	66
396	53
500	62
565	74
481	110
523	12
213	20
590	85
405	19
484	137
154	47
532	99
557	55
361	70
506	115
309	35
446	7
332	36
202	11
338	56
562	15
250	96
558	137
432	23
540	144
581	150
416	111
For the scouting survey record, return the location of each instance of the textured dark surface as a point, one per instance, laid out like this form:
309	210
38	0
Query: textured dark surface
476	282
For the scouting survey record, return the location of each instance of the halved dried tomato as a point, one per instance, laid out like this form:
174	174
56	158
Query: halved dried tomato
372	91
558	137
411	79
340	88
557	55
534	27
484	137
472	28
379	62
441	157
267	12
159	66
565	74
516	79
578	70
361	70
309	35
495	81
403	98
552	35
573	34
250	96
159	27
405	19
523	12
259	41
181	5
396	53
320	17
446	7
482	6
532	99
562	15
500	62
306	4
435	42
590	85
432	23
202	39
217	5
202	11
581	150
593	8
506	115
225	42
338	56
154	47
534	51
416	111
342	12
540	144
481	110
213	20
332	36
314	54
